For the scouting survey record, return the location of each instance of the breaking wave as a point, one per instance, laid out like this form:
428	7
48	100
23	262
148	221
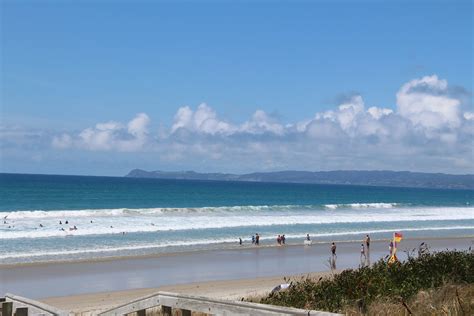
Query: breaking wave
42	224
39	214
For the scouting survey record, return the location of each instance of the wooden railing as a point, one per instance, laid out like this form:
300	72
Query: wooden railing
187	304
21	306
169	303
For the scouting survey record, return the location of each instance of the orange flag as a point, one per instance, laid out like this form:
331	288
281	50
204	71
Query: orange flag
397	237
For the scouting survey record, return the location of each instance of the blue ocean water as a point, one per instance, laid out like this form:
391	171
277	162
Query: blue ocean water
126	216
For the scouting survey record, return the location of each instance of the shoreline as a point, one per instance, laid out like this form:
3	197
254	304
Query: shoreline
233	248
75	278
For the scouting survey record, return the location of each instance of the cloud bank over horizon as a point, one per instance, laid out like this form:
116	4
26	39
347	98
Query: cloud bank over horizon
430	129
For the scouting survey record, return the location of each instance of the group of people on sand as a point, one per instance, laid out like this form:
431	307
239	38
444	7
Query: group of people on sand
364	248
364	253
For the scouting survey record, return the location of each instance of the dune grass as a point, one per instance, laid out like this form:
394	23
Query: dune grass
402	284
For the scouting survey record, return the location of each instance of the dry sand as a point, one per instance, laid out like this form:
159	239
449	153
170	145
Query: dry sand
85	304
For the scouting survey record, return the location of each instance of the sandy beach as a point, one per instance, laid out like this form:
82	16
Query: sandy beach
228	289
229	274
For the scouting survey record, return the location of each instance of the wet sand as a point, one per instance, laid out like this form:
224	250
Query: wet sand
252	271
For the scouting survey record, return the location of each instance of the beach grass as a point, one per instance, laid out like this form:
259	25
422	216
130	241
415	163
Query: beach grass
420	281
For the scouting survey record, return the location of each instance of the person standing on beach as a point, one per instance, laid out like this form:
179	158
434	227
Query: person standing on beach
363	257
253	239
283	238
333	256
257	239
367	250
333	250
308	238
240	241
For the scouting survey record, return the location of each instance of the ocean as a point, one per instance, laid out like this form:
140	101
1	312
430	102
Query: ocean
117	216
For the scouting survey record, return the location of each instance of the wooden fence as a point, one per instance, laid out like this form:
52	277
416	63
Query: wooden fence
20	306
188	303
168	304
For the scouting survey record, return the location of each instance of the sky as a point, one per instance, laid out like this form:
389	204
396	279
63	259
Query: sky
102	87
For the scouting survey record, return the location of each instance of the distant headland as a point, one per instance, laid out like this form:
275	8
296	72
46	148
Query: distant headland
370	178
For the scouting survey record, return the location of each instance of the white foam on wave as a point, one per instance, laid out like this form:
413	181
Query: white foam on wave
65	214
361	205
204	242
139	222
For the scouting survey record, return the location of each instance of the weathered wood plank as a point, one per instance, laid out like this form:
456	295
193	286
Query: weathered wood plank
21	311
185	312
34	307
207	305
166	310
7	308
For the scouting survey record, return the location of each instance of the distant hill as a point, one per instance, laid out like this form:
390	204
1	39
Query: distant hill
372	178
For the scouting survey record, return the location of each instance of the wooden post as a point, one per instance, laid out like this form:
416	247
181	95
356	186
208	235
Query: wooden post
166	310
185	312
141	312
21	311
7	308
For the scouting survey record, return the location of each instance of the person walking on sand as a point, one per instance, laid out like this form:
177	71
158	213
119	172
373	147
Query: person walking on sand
253	239
308	238
257	239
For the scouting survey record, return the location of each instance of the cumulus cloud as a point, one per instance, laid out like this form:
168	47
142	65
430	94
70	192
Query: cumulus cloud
426	130
261	123
426	102
108	136
203	120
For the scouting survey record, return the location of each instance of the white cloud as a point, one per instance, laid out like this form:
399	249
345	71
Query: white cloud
377	113
203	120
261	123
469	116
426	102
108	136
62	141
426	131
138	126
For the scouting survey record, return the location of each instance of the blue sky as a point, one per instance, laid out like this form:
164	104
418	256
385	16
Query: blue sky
68	66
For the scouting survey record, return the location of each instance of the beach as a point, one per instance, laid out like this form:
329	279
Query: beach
228	274
138	236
